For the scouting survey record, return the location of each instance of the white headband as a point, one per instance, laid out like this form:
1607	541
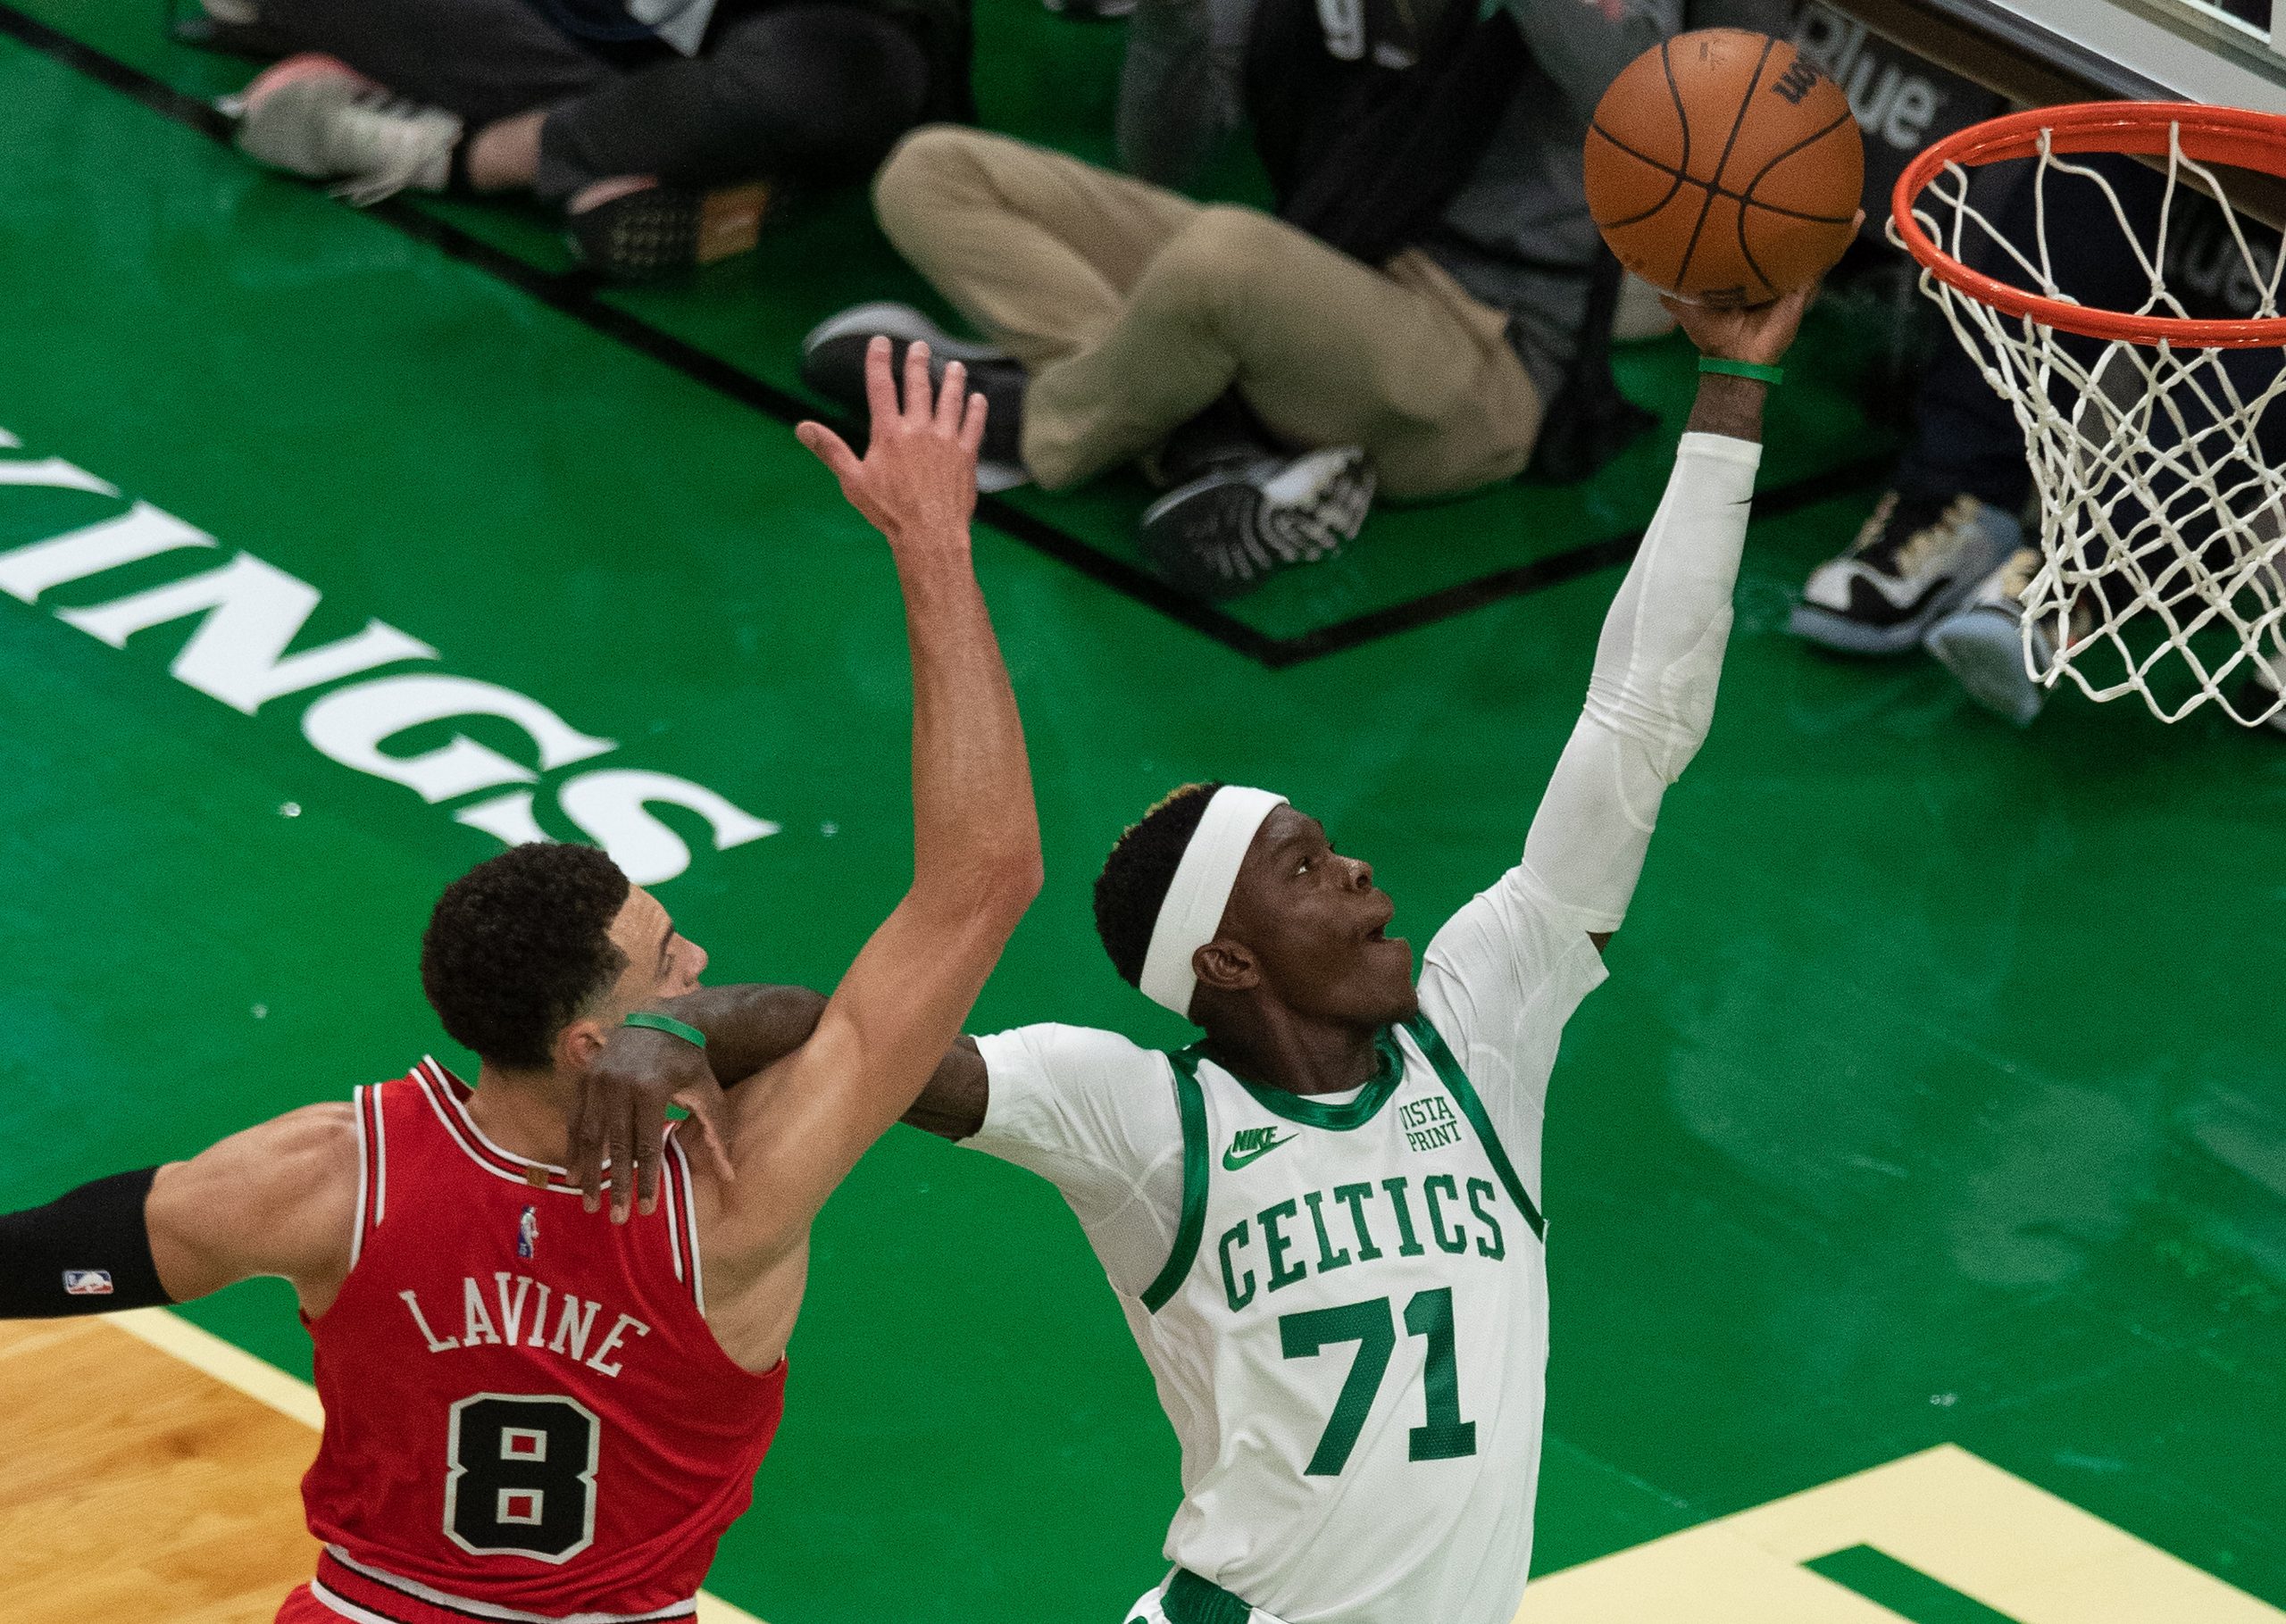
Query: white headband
1192	915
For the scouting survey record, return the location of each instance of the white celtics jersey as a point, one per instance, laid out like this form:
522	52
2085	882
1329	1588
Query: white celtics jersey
1350	1336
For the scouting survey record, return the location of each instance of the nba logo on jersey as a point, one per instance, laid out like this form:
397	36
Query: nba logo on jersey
527	1232
87	1283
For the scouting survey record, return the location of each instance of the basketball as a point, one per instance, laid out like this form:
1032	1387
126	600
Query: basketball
1725	168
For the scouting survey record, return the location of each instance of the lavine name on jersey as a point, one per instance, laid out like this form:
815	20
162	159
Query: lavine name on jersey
522	1303
1350	1223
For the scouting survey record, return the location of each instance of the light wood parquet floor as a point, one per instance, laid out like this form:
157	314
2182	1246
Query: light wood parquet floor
136	1487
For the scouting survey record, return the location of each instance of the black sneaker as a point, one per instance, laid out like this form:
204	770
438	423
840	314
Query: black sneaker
1092	11
833	363
1913	563
1227	433
1230	528
658	230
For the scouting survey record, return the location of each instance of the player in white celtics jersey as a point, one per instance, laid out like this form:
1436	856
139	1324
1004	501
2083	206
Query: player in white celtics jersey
1323	1219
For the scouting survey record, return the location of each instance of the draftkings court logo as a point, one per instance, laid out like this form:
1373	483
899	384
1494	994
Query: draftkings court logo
248	614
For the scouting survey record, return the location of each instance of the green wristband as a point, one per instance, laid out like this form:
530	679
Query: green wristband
667	1024
1742	368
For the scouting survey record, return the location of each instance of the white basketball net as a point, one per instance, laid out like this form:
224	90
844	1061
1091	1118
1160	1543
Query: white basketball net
2162	525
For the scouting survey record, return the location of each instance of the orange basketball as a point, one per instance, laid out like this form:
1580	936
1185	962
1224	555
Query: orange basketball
1725	167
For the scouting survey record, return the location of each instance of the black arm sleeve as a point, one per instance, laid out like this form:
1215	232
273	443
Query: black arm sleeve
88	1252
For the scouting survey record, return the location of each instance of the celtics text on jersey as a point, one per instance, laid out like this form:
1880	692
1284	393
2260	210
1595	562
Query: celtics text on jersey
1350	1336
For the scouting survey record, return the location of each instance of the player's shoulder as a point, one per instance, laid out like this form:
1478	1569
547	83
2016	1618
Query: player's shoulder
312	1135
1071	1102
1513	916
1066	1071
308	1151
1055	1047
275	1198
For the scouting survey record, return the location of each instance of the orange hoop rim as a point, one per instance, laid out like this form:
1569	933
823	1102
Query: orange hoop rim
2229	136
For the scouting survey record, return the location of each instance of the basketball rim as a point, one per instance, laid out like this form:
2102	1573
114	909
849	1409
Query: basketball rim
2227	136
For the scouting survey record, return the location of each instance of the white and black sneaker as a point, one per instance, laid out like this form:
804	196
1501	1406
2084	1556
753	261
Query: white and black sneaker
833	363
1984	641
319	117
1231	528
1912	564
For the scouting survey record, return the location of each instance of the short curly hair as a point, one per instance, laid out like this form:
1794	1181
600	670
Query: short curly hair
1133	884
519	946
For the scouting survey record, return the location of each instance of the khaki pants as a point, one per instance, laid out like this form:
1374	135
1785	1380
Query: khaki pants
1135	309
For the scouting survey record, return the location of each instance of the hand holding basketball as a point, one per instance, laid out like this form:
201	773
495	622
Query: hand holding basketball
1723	168
1759	333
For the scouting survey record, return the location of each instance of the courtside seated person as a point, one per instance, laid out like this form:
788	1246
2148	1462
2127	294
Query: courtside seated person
657	127
1405	321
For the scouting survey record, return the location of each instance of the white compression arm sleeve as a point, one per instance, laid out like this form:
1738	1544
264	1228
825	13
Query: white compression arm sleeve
1653	692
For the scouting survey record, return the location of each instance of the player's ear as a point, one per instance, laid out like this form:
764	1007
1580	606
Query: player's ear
578	1044
1226	966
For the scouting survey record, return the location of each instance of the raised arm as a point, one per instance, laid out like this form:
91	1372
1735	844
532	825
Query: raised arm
1660	657
797	1130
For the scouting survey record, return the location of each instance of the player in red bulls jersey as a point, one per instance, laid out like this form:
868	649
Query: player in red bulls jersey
535	1408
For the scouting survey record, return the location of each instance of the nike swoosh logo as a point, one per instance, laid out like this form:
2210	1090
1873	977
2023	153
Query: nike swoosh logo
1233	1159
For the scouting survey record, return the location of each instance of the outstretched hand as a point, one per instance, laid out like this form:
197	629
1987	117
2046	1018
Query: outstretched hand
1760	333
917	480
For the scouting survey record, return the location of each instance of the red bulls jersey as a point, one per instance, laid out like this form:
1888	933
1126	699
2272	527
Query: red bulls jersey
525	1412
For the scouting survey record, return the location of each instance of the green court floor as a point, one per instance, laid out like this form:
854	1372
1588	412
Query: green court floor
1935	1096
